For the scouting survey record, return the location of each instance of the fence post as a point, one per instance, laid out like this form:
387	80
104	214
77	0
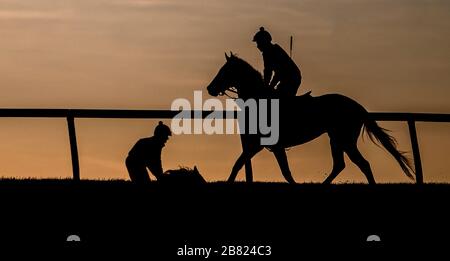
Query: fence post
73	147
416	152
248	164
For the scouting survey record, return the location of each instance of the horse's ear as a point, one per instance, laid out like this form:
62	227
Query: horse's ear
196	170
232	54
227	57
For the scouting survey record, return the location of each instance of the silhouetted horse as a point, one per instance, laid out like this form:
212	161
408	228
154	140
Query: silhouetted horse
304	118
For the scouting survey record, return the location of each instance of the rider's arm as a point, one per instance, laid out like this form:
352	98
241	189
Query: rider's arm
156	168
267	76
274	81
268	69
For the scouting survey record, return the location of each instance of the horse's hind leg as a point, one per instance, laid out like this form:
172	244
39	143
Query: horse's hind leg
338	161
355	155
280	154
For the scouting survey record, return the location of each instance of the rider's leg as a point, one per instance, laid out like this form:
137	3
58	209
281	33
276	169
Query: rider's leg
280	154
288	88
137	171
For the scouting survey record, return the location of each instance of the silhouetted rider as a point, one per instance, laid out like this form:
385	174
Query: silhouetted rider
281	74
146	153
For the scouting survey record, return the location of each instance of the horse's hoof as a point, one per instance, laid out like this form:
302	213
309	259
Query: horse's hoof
326	182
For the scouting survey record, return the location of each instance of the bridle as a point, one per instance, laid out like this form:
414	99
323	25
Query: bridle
231	89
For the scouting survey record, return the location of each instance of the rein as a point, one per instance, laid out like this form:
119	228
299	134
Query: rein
226	94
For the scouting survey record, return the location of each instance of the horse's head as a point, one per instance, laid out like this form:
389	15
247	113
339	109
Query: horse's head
224	78
235	74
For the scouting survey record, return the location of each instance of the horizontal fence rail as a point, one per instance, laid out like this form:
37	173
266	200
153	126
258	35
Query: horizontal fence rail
72	114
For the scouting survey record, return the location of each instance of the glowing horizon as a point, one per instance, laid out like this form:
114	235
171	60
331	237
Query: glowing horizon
138	54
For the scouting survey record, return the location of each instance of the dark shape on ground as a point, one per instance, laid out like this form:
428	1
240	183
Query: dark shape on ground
182	176
153	221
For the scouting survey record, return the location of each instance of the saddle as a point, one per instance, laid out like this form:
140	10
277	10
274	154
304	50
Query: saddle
305	95
301	100
308	94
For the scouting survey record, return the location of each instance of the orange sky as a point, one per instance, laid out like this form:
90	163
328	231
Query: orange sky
143	54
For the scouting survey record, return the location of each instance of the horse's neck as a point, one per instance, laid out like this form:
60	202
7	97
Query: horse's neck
251	88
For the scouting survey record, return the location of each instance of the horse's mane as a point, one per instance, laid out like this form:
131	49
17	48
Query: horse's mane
246	69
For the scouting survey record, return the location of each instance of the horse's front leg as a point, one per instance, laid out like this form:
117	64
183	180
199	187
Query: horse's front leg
244	157
281	156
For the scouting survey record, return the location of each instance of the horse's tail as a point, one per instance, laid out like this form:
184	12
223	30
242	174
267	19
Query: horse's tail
380	135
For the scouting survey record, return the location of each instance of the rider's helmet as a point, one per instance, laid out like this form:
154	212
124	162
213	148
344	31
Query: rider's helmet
162	130
262	36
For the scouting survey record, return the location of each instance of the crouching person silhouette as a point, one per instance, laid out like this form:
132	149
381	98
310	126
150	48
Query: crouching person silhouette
146	153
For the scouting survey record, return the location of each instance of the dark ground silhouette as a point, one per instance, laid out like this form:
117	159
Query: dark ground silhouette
183	176
158	218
